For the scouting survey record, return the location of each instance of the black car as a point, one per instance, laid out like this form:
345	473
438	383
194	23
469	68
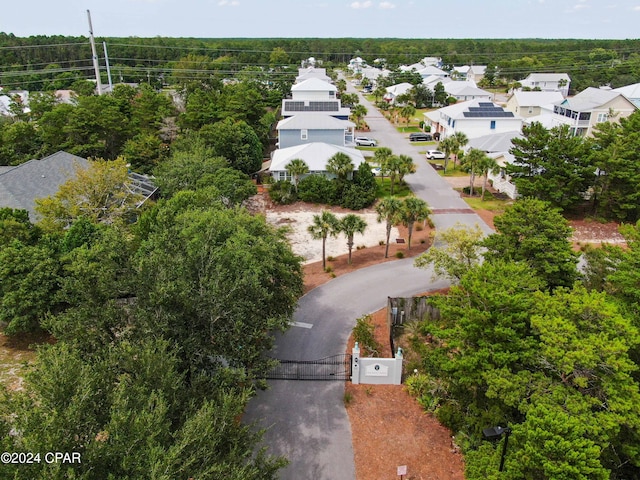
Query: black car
420	137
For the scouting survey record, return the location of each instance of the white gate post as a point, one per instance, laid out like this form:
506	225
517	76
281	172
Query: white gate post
355	364
398	367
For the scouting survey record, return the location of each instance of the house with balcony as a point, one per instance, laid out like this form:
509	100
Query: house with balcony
309	128
314	96
474	118
590	107
547	82
472	73
312	72
464	91
532	104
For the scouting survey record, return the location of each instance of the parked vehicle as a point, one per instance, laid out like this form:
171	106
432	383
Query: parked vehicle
435	154
420	137
365	142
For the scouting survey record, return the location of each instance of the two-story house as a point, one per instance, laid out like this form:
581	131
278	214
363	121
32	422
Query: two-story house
310	128
531	104
590	107
314	96
474	118
547	82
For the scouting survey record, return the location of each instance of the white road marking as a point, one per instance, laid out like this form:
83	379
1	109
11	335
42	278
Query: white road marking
301	324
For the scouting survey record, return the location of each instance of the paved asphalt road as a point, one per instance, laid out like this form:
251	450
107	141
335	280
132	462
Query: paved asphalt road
306	420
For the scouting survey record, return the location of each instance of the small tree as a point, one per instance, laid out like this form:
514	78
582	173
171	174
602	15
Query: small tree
324	225
382	156
340	165
486	165
350	225
471	163
407	112
296	168
413	210
447	145
459	140
388	210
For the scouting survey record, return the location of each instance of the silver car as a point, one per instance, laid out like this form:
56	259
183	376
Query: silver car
435	154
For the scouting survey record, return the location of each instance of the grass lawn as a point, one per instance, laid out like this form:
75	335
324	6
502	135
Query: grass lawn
409	129
371	149
490	203
451	171
384	188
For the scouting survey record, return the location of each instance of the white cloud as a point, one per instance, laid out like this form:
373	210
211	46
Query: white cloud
358	5
228	3
387	5
636	9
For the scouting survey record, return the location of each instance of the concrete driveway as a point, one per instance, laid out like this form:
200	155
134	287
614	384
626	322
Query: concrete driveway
306	420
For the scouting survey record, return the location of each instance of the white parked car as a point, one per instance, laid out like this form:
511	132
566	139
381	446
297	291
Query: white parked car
435	154
366	142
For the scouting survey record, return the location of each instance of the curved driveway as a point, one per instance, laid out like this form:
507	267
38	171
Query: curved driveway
306	420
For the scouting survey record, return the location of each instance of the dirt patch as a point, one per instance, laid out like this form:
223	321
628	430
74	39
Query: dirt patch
389	429
15	354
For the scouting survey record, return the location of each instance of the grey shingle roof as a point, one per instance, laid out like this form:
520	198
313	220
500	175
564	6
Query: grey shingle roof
22	185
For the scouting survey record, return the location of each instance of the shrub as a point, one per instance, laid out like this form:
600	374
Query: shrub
399	254
330	258
363	334
356	197
317	189
419	227
282	192
328	269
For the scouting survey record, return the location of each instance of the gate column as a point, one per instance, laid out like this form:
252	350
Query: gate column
355	364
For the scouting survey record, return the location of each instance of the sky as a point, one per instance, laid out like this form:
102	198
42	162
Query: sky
588	19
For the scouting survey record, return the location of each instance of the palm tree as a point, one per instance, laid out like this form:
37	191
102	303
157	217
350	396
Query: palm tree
388	210
471	163
406	166
459	140
340	165
350	225
324	225
447	145
379	92
413	210
486	165
407	112
358	112
295	168
393	166
382	156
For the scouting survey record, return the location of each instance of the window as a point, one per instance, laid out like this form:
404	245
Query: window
304	134
603	117
530	109
493	124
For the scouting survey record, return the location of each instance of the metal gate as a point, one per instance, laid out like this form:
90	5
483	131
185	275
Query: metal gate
336	367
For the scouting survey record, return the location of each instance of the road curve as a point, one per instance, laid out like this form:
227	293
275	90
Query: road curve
306	421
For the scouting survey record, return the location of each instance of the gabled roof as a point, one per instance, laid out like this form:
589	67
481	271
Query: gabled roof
314	85
399	88
590	99
632	92
465	88
547	77
537	99
431	70
476	109
314	121
23	184
496	142
315	154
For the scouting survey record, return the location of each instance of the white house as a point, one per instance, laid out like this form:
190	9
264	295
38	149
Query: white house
548	82
473	73
466	90
530	104
431	71
310	128
591	107
394	91
632	92
312	72
316	155
314	96
497	146
425	62
474	118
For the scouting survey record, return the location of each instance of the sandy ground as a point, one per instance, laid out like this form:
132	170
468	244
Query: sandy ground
299	217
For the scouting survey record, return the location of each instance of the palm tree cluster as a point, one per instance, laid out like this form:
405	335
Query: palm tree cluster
327	224
394	166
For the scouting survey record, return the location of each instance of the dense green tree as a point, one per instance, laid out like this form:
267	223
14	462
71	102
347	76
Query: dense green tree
234	186
143	152
551	165
456	250
317	189
235	141
388	210
324	225
532	231
19	142
616	192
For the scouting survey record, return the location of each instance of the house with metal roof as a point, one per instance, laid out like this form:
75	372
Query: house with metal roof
310	128
314	96
547	82
530	104
312	72
590	107
474	118
632	92
315	155
394	91
466	90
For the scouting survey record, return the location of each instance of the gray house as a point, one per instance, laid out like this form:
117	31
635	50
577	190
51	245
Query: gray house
308	128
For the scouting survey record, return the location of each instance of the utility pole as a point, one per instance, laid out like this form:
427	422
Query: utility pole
96	67
106	59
